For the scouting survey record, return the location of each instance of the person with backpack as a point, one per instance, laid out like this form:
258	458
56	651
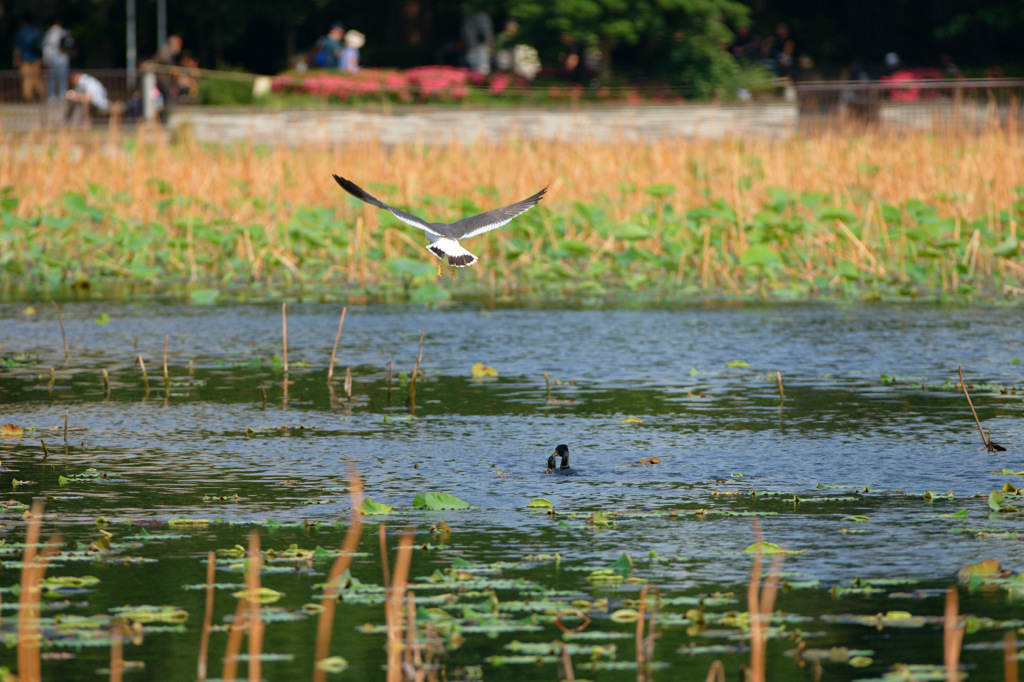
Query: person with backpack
28	46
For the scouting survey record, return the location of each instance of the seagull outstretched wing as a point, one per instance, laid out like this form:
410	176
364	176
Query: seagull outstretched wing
492	220
408	218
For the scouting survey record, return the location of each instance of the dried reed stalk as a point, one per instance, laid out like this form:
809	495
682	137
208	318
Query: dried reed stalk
116	652
716	673
63	336
142	364
393	607
256	626
204	641
338	568
234	645
32	571
284	333
167	376
337	337
1010	657
411	401
760	603
644	645
952	636
567	671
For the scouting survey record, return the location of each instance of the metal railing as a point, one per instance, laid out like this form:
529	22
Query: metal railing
946	105
962	105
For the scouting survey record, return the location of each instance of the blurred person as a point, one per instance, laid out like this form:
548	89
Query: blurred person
57	48
785	59
28	59
892	64
166	59
949	67
743	45
350	54
570	60
87	98
329	47
766	55
188	84
478	36
504	44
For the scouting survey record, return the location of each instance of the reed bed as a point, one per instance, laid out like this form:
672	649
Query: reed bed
911	214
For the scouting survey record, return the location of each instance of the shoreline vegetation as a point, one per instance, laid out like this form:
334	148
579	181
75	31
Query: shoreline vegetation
835	216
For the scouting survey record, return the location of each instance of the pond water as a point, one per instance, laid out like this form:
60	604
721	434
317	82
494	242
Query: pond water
852	471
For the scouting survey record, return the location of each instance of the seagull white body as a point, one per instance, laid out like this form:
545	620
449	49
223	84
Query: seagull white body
444	237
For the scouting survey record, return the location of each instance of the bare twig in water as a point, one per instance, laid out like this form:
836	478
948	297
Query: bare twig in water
106	383
204	642
46	453
66	426
338	568
64	336
547	385
284	334
337	337
989	445
348	383
778	378
411	401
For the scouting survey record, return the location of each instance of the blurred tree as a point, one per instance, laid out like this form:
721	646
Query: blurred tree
695	28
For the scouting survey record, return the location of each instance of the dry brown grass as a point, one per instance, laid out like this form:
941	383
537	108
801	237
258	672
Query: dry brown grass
964	177
982	170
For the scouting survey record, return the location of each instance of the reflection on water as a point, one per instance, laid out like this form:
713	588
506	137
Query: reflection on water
721	433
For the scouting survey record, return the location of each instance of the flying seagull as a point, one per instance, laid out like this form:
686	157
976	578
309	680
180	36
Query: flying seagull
444	237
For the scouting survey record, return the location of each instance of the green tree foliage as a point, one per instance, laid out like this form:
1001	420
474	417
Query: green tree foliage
685	38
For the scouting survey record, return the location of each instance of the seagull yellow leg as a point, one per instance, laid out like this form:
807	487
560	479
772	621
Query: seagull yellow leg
439	271
453	272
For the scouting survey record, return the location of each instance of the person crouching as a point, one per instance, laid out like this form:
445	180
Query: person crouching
87	98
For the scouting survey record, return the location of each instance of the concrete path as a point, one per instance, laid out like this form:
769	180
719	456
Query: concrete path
442	125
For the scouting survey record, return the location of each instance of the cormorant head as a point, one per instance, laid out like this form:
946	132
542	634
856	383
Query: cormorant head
563	452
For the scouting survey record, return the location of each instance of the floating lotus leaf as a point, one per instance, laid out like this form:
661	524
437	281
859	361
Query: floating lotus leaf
371	508
332	664
438	501
480	371
11	431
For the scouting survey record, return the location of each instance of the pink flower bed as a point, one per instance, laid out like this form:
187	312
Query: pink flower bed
424	83
446	84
